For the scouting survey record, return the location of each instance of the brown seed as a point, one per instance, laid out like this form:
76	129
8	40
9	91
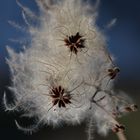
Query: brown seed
75	42
59	97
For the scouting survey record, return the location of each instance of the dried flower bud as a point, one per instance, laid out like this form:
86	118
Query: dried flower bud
118	128
134	107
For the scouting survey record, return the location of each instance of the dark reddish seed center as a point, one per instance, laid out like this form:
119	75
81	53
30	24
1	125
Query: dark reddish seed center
113	72
59	97
75	42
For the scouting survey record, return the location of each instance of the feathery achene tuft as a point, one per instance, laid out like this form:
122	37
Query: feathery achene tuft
66	74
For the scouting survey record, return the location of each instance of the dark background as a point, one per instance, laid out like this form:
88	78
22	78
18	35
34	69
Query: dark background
123	42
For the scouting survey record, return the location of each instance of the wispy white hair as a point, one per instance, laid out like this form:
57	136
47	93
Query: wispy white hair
49	62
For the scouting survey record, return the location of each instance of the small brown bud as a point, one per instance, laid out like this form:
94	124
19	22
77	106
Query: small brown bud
134	107
128	109
118	128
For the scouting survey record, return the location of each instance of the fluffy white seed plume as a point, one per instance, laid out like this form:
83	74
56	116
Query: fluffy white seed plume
66	74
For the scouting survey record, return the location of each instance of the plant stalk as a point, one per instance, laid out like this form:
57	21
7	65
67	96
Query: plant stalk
121	135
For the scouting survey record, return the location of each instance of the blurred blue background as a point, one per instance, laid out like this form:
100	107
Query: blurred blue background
123	41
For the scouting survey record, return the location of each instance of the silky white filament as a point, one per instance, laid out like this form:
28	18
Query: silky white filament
66	74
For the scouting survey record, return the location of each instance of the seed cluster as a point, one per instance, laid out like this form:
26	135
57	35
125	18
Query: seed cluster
59	97
113	72
75	42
